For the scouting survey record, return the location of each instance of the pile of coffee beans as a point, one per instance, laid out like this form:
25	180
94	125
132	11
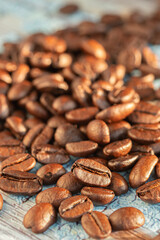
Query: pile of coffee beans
87	92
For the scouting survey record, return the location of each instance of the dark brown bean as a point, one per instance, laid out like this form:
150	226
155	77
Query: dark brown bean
54	195
73	208
126	218
40	217
142	170
118	130
81	149
70	182
122	163
96	225
69	8
50	173
91	172
118	184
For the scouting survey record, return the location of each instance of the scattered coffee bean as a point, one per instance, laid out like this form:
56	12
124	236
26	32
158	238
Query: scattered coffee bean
122	163
118	184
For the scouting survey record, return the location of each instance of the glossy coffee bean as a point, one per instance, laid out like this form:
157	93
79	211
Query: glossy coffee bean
56	121
43	137
1	202
50	173
142	148
4	106
37	110
73	208
16	126
150	192
64	104
98	131
96	225
99	196
32	134
22	162
19	90
118	148
118	130
81	149
122	163
118	184
91	172
142	170
18	182
54	195
126	218
40	217
21	73
158	170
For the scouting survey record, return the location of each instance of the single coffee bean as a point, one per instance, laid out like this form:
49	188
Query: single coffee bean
5	77
21	73
46	100
4	106
69	8
69	182
22	162
50	173
118	148
96	225
56	121
18	182
81	149
118	130
37	110
43	137
73	208
122	163
81	115
118	184
99	196
64	104
149	57
142	170
142	148
158	170
16	126
1	202
40	217
150	192
143	135
54	195
98	131
99	98
32	134
32	122
126	218
47	153
19	90
91	172
67	133
116	113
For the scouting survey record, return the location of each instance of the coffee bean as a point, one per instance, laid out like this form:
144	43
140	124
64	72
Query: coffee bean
69	8
32	122
37	110
64	104
96	225
73	208
8	65
67	133
47	153
19	90
140	174
1	202
22	162
16	125
126	218
149	57
150	192
158	170
142	148
4	107
56	121
91	172
118	130
17	182
32	134
122	163
50	173
43	137
46	100
143	135
116	113
3	87
81	115
99	196
69	182
81	149
100	160
118	184
54	195
5	77
118	148
40	217
98	131
99	99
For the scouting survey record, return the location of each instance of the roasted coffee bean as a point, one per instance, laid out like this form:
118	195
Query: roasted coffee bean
96	225
16	126
37	110
69	8
4	107
122	163
32	96
41	59
144	135
99	196
21	73
50	173
118	148
99	99
62	60
3	87
126	218
18	182
44	137
118	130
22	162
32	134
142	148
56	121
8	65
67	133
54	195
81	149
63	104
5	77
91	172
149	57
98	131
116	113
1	202
118	184
10	147
32	122
40	217
100	160
146	69
142	170
46	100
69	182
53	44
19	90
123	95
158	170
73	208
47	153
150	192
81	115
